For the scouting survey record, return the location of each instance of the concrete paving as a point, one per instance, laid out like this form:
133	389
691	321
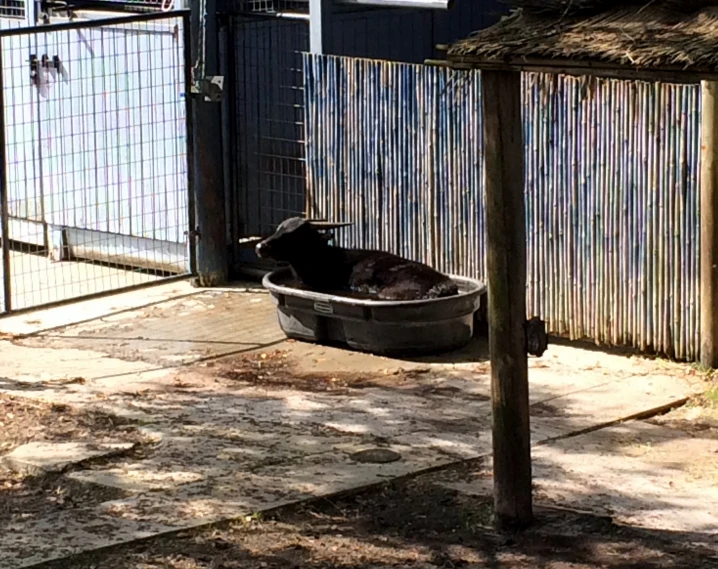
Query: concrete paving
40	457
638	474
228	447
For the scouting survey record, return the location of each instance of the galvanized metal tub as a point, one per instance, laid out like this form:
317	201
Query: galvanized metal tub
377	326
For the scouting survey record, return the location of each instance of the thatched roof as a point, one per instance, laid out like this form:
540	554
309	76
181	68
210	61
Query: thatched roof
642	34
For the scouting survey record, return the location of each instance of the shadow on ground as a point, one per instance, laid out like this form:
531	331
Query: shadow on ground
408	524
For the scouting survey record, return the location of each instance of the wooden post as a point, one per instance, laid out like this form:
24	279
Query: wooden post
709	224
506	260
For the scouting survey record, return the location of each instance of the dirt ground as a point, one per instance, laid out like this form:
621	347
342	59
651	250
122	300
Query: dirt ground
23	421
404	524
698	416
408	523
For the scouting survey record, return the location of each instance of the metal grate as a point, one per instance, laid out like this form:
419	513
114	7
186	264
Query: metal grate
12	8
96	168
268	161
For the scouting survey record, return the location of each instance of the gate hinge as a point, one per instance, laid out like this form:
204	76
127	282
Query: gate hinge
536	336
193	233
211	87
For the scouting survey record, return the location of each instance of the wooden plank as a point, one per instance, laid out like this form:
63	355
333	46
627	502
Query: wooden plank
709	225
506	264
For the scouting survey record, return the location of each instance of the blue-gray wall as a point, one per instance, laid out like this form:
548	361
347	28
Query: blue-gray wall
409	36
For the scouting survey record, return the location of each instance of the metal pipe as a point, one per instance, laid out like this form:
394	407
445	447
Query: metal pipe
99	6
428	4
189	142
95	295
273	15
89	24
320	26
4	211
227	64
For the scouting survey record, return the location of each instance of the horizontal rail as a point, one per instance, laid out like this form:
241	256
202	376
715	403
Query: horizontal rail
273	15
89	24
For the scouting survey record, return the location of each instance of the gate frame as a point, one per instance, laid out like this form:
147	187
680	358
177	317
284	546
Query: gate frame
241	259
184	16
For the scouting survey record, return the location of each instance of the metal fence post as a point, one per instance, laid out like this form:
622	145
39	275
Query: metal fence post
320	27
189	142
212	262
227	65
4	212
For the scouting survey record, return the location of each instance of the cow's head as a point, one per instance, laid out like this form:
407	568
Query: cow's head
295	238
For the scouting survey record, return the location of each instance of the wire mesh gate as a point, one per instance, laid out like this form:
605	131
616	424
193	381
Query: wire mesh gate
265	105
94	173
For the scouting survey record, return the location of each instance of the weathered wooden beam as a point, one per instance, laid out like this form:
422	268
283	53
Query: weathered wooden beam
709	224
506	260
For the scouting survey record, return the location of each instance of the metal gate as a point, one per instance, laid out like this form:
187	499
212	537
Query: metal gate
94	173
265	106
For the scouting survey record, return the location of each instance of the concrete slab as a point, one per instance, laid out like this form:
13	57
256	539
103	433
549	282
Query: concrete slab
46	319
227	450
34	541
135	479
39	457
176	331
639	474
43	368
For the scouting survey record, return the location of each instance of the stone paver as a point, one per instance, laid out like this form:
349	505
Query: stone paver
39	457
637	473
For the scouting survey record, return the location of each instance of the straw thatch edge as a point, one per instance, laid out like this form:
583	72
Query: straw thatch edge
636	36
